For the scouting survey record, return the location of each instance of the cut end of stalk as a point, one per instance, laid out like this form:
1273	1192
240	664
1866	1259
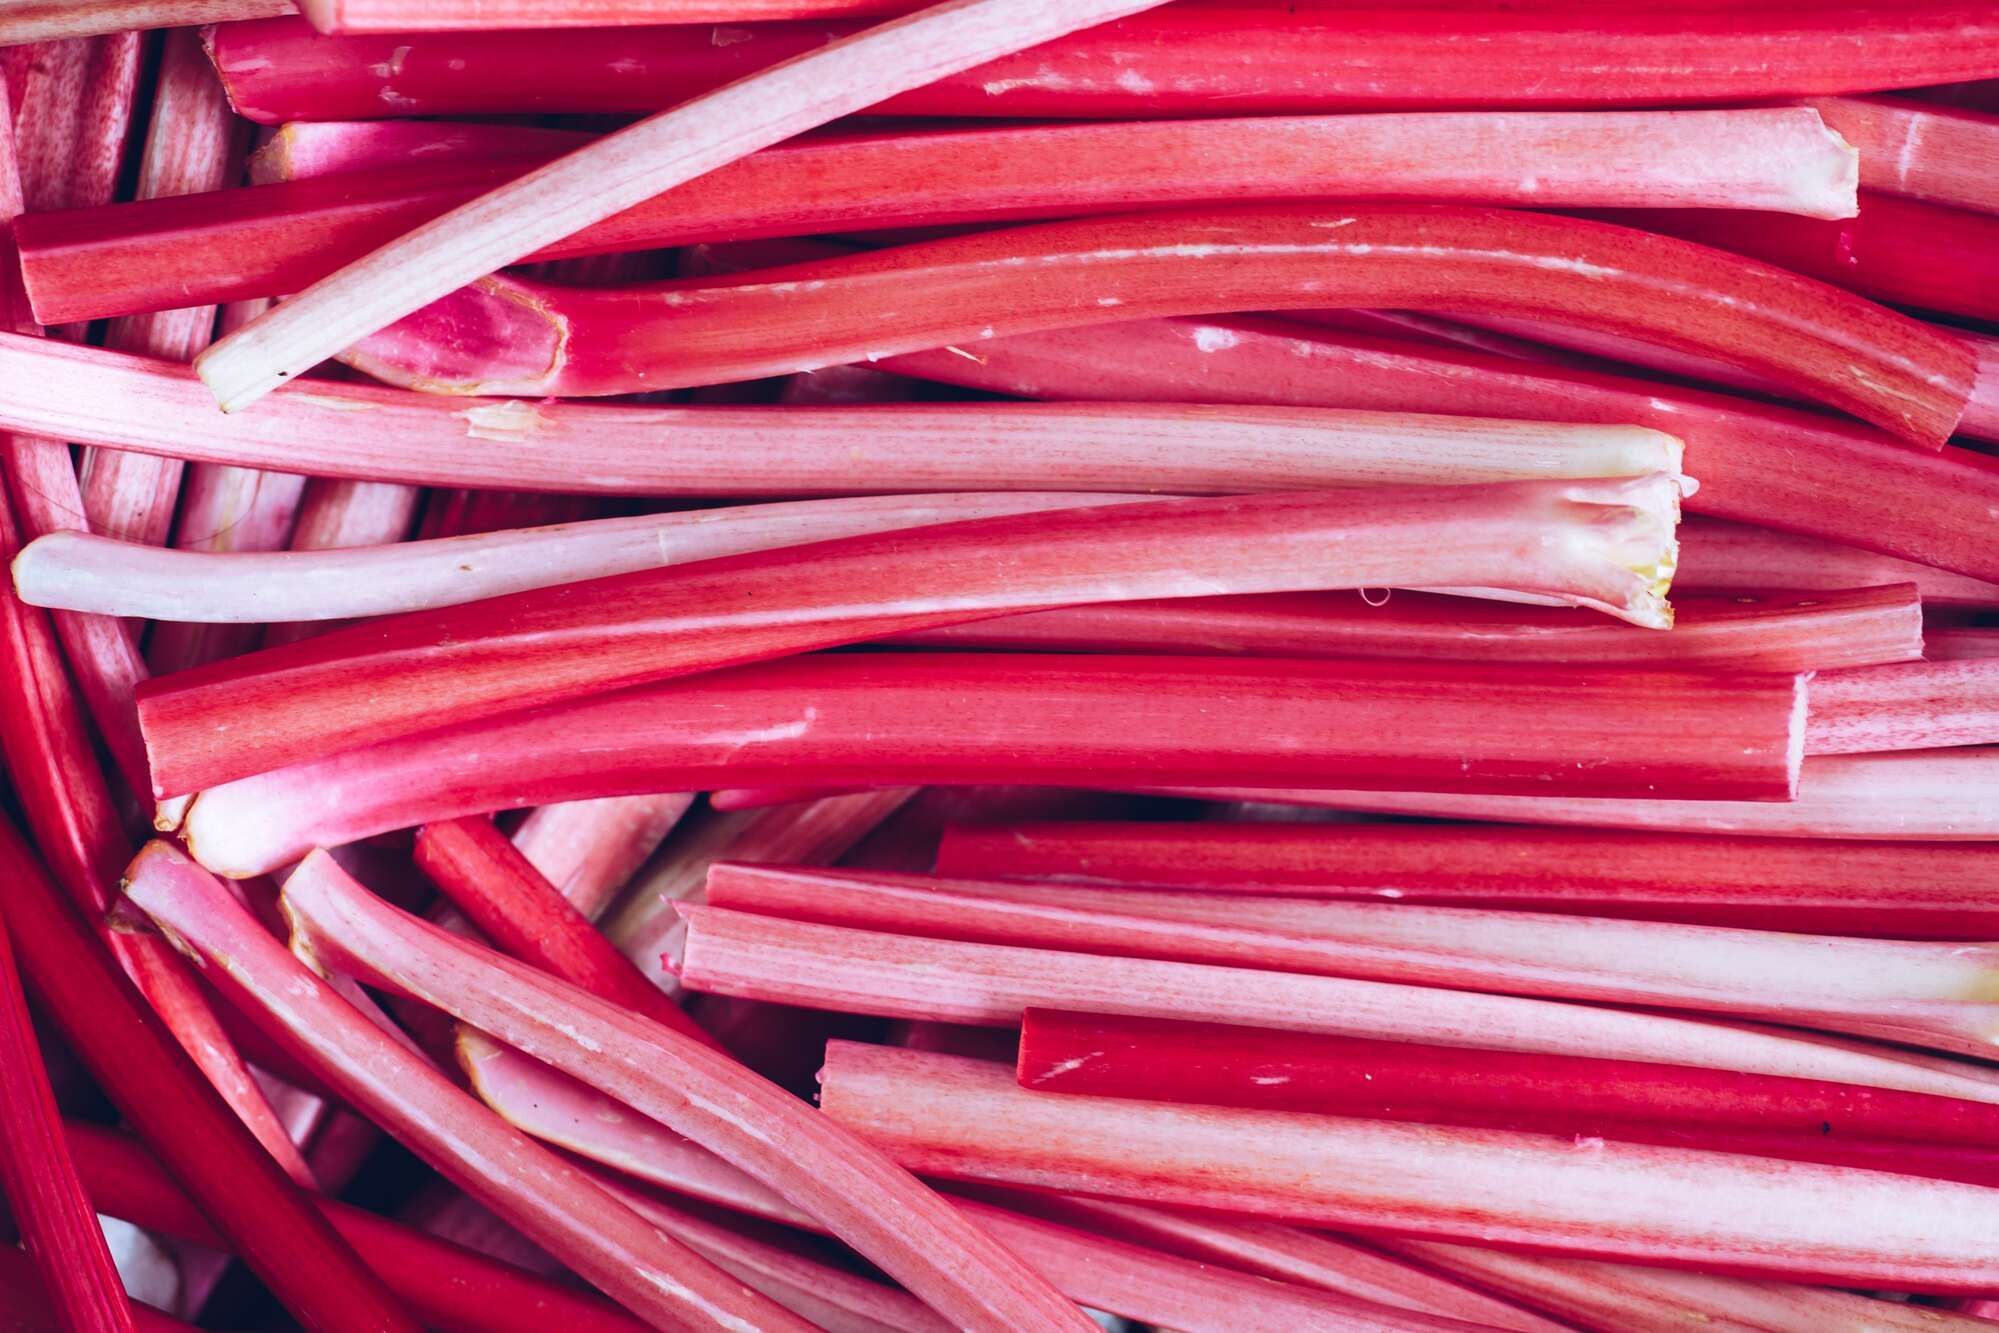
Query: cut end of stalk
1633	527
232	373
494	338
170	813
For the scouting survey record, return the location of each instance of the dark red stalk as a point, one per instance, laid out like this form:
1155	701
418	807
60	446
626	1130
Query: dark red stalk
269	1222
1887	889
509	336
404	16
895	719
25	1306
1255	58
383	679
282	236
488	879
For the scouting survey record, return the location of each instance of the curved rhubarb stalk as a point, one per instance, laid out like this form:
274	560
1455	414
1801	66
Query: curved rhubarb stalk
891	719
510	336
1925	994
621	170
1251	58
1894	890
335	514
965	1118
282	236
1606	544
551	1202
858	1194
906	976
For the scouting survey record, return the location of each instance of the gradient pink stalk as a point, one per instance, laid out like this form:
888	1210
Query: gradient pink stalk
906	976
507	336
591	849
56	21
336	514
1896	890
1605	544
1926	994
550	1201
885	1213
966	1118
1908	706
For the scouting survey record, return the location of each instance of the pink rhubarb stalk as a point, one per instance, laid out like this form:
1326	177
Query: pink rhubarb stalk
510	336
335	515
1928	994
589	850
966	1118
621	170
1909	706
1896	890
402	16
1929	152
1605	544
858	1194
842	720
906	976
52	20
294	230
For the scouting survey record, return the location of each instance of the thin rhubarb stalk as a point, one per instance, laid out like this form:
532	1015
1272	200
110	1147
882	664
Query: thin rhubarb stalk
1933	795
1904	890
966	1118
52	20
632	165
224	509
905	976
1909	706
1921	993
591	849
1770	632
334	515
489	880
448	1284
189	150
1235	59
1604	544
841	720
1719	556
858	1194
348	16
1981	414
550	1201
506	335
280	237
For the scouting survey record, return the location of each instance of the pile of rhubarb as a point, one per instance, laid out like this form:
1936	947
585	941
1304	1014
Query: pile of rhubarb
1232	666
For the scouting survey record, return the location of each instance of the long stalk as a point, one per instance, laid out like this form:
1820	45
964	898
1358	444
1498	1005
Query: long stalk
350	16
1896	890
294	230
589	850
966	1118
880	1210
1909	706
1605	544
53	20
335	514
905	976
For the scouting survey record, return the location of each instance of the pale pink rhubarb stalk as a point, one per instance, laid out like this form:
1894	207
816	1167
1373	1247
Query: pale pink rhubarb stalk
509	336
855	1192
550	1200
842	720
1718	556
51	20
967	1118
627	167
591	849
1908	706
335	514
1927	994
906	976
1604	544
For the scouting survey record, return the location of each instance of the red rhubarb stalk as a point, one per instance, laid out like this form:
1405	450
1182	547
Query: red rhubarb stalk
843	720
510	336
551	1202
621	170
1935	153
400	16
1234	59
1718	556
1897	890
1969	643
1924	994
295	229
858	1194
25	1306
1908	706
966	1118
905	976
1605	544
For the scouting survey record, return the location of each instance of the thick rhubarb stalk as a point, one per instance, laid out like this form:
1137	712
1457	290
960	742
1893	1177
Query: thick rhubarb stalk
284	236
1234	59
489	880
966	1118
1934	795
621	170
1718	556
858	1194
1605	544
589	850
1769	632
510	336
52	20
1935	153
449	1285
1924	994
189	150
1893	890
25	1306
904	976
844	720
550	1201
1909	706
